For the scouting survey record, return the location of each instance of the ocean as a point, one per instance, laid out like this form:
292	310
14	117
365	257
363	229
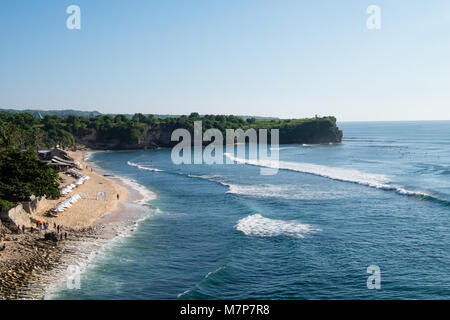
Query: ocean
380	198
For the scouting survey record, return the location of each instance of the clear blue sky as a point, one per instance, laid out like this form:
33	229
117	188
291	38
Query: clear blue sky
286	58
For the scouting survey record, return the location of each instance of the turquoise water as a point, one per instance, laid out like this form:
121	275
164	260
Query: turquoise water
382	197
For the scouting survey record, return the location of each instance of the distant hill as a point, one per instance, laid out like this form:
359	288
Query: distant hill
165	116
90	114
59	113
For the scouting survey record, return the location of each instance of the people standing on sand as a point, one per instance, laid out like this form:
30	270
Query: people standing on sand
61	236
54	225
31	229
65	235
117	196
3	247
23	228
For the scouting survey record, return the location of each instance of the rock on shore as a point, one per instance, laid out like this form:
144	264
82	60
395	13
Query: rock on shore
29	256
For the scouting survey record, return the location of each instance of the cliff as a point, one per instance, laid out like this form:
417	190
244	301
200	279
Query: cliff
297	131
140	131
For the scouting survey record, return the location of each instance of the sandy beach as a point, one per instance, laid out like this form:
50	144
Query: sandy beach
87	210
28	256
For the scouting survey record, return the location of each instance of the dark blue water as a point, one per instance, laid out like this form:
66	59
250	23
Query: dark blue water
382	197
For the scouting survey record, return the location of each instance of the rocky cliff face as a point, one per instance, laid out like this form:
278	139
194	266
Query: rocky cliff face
160	137
156	137
20	215
15	217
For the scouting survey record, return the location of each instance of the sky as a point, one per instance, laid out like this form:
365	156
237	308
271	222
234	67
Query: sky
282	58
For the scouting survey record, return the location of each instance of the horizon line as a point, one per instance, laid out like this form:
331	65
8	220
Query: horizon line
241	115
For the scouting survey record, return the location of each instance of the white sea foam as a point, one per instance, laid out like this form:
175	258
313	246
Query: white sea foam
280	148
215	271
304	192
132	164
372	180
257	225
87	156
282	191
213	178
147	194
183	293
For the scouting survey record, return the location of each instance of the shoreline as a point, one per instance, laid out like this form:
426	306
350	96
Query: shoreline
33	268
91	207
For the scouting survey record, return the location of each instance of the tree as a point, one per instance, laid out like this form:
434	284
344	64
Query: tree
138	117
8	136
22	175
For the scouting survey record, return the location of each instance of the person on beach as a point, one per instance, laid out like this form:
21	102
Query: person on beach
61	237
3	247
23	229
65	235
117	196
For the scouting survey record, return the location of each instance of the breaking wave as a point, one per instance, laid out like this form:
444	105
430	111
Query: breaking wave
257	225
132	164
281	148
372	180
282	192
147	194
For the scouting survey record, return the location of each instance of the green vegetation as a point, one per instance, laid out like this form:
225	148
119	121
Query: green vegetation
22	175
60	113
5	205
88	114
147	131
